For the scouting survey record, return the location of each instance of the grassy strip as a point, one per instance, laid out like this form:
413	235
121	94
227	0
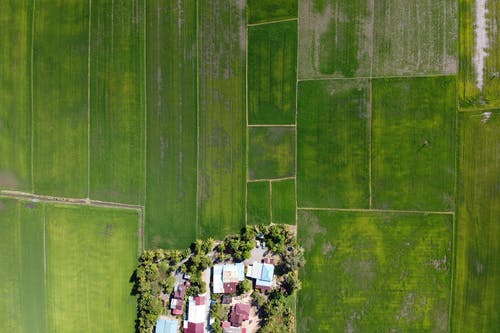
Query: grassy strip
413	144
477	277
374	272
272	73
221	175
15	98
60	97
117	101
333	144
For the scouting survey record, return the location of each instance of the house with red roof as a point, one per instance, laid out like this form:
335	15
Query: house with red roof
239	313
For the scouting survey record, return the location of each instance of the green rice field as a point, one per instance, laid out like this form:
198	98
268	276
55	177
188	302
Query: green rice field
283	201
271	10
259	202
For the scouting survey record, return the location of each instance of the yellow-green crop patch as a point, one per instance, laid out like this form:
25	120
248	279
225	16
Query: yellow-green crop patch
479	74
60	106
476	298
272	74
15	99
171	123
413	143
258	203
283	201
271	152
374	272
271	10
333	144
117	101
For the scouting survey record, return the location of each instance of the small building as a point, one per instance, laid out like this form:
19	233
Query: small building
227	328
177	302
194	328
239	313
197	310
164	325
263	274
227	277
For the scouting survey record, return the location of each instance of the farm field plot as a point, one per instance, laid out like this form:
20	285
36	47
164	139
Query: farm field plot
258	203
477	277
333	144
15	98
117	101
415	37
413	145
60	92
91	254
271	10
272	75
221	151
283	201
479	73
271	152
335	38
171	123
22	296
374	272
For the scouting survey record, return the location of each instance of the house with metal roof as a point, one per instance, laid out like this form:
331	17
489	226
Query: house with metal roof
164	325
226	277
263	274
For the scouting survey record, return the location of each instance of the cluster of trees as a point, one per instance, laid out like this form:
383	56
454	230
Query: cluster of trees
219	313
196	264
276	314
236	247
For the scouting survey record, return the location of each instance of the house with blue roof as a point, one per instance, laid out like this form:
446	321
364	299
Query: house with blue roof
263	273
226	277
165	325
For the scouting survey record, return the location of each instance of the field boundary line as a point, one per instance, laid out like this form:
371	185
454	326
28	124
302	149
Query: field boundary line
270	202
32	97
376	77
247	134
68	201
487	109
271	125
44	249
362	210
372	41
370	144
296	130
143	217
272	22
269	179
197	208
88	99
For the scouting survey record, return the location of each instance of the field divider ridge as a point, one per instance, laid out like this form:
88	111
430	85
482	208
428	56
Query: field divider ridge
271	125
88	98
272	22
31	95
376	77
247	134
370	145
362	210
269	179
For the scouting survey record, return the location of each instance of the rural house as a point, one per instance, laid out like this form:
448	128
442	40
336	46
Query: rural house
227	277
262	273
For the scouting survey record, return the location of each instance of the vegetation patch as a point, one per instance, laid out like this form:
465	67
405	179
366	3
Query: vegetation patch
272	75
374	272
171	123
283	201
333	144
477	274
258	203
117	101
271	10
271	152
413	145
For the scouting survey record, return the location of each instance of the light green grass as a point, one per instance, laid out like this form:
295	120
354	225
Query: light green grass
221	159
415	37
283	201
117	101
15	98
335	38
477	275
272	73
91	254
271	10
171	136
413	143
258	203
468	91
60	97
333	144
22	294
374	272
271	152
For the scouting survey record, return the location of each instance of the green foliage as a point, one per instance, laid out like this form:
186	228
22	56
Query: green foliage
244	287
291	283
258	299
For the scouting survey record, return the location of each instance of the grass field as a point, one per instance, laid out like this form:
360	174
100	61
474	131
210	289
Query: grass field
22	305
15	98
272	74
479	78
117	101
221	158
91	254
335	38
413	144
171	135
271	152
269	10
415	37
283	201
60	80
477	277
258	203
374	272
333	144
